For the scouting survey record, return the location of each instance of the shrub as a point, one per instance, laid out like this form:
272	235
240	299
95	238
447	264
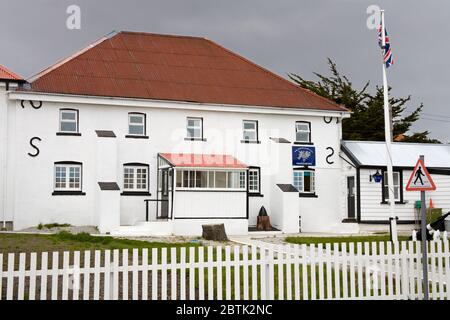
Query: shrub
82	237
56	225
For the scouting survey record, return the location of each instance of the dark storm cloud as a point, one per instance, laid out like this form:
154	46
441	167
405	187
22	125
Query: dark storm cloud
284	36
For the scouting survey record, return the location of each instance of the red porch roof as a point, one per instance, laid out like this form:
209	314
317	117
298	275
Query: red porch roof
192	160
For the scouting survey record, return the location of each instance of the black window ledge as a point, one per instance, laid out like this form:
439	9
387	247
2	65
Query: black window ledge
396	202
130	136
136	193
68	193
308	195
304	143
251	141
195	139
349	220
76	134
255	195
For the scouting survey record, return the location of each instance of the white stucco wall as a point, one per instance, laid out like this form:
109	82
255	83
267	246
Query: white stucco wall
30	180
107	210
284	210
201	204
194	227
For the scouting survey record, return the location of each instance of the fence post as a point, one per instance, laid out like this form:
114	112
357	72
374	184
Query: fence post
404	278
107	294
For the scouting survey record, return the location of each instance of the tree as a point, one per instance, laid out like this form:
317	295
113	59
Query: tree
367	119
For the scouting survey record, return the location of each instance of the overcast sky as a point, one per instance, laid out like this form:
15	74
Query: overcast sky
284	36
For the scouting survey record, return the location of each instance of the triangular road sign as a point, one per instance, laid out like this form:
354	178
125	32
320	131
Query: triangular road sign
420	179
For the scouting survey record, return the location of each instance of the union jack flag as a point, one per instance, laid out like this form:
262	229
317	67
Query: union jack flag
387	53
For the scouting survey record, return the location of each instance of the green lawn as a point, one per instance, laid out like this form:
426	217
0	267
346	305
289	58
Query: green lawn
341	240
64	241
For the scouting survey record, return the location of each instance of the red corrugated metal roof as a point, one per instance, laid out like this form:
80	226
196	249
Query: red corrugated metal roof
195	160
178	68
6	74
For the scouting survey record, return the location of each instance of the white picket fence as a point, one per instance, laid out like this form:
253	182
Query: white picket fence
361	271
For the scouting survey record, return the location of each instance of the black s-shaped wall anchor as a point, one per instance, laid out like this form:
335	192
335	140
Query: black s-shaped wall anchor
330	155
327	120
34	146
22	103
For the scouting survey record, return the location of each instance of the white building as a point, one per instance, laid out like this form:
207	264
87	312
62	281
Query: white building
365	200
89	140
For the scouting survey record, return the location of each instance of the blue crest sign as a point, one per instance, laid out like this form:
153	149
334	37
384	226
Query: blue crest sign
304	156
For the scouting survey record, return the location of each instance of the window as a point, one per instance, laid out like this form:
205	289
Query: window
67	177
397	186
250	130
221	179
254	180
304	181
68	121
196	179
135	178
302	131
194	128
136	124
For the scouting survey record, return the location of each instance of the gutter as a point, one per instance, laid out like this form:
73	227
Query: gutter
171	104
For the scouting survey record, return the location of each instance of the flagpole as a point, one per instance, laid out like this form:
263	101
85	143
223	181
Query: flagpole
388	138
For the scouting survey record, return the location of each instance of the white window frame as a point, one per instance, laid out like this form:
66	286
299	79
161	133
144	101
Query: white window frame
254	130
143	124
297	130
67	168
237	182
302	176
396	186
61	120
134	181
251	187
195	127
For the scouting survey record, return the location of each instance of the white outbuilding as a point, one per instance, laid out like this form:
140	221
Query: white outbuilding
365	201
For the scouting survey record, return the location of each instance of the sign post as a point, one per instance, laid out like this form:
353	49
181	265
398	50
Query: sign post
423	226
421	180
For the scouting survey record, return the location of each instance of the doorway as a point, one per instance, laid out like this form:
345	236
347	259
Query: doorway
166	180
351	196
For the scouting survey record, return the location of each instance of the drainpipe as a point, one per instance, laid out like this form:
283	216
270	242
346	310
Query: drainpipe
4	160
4	195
